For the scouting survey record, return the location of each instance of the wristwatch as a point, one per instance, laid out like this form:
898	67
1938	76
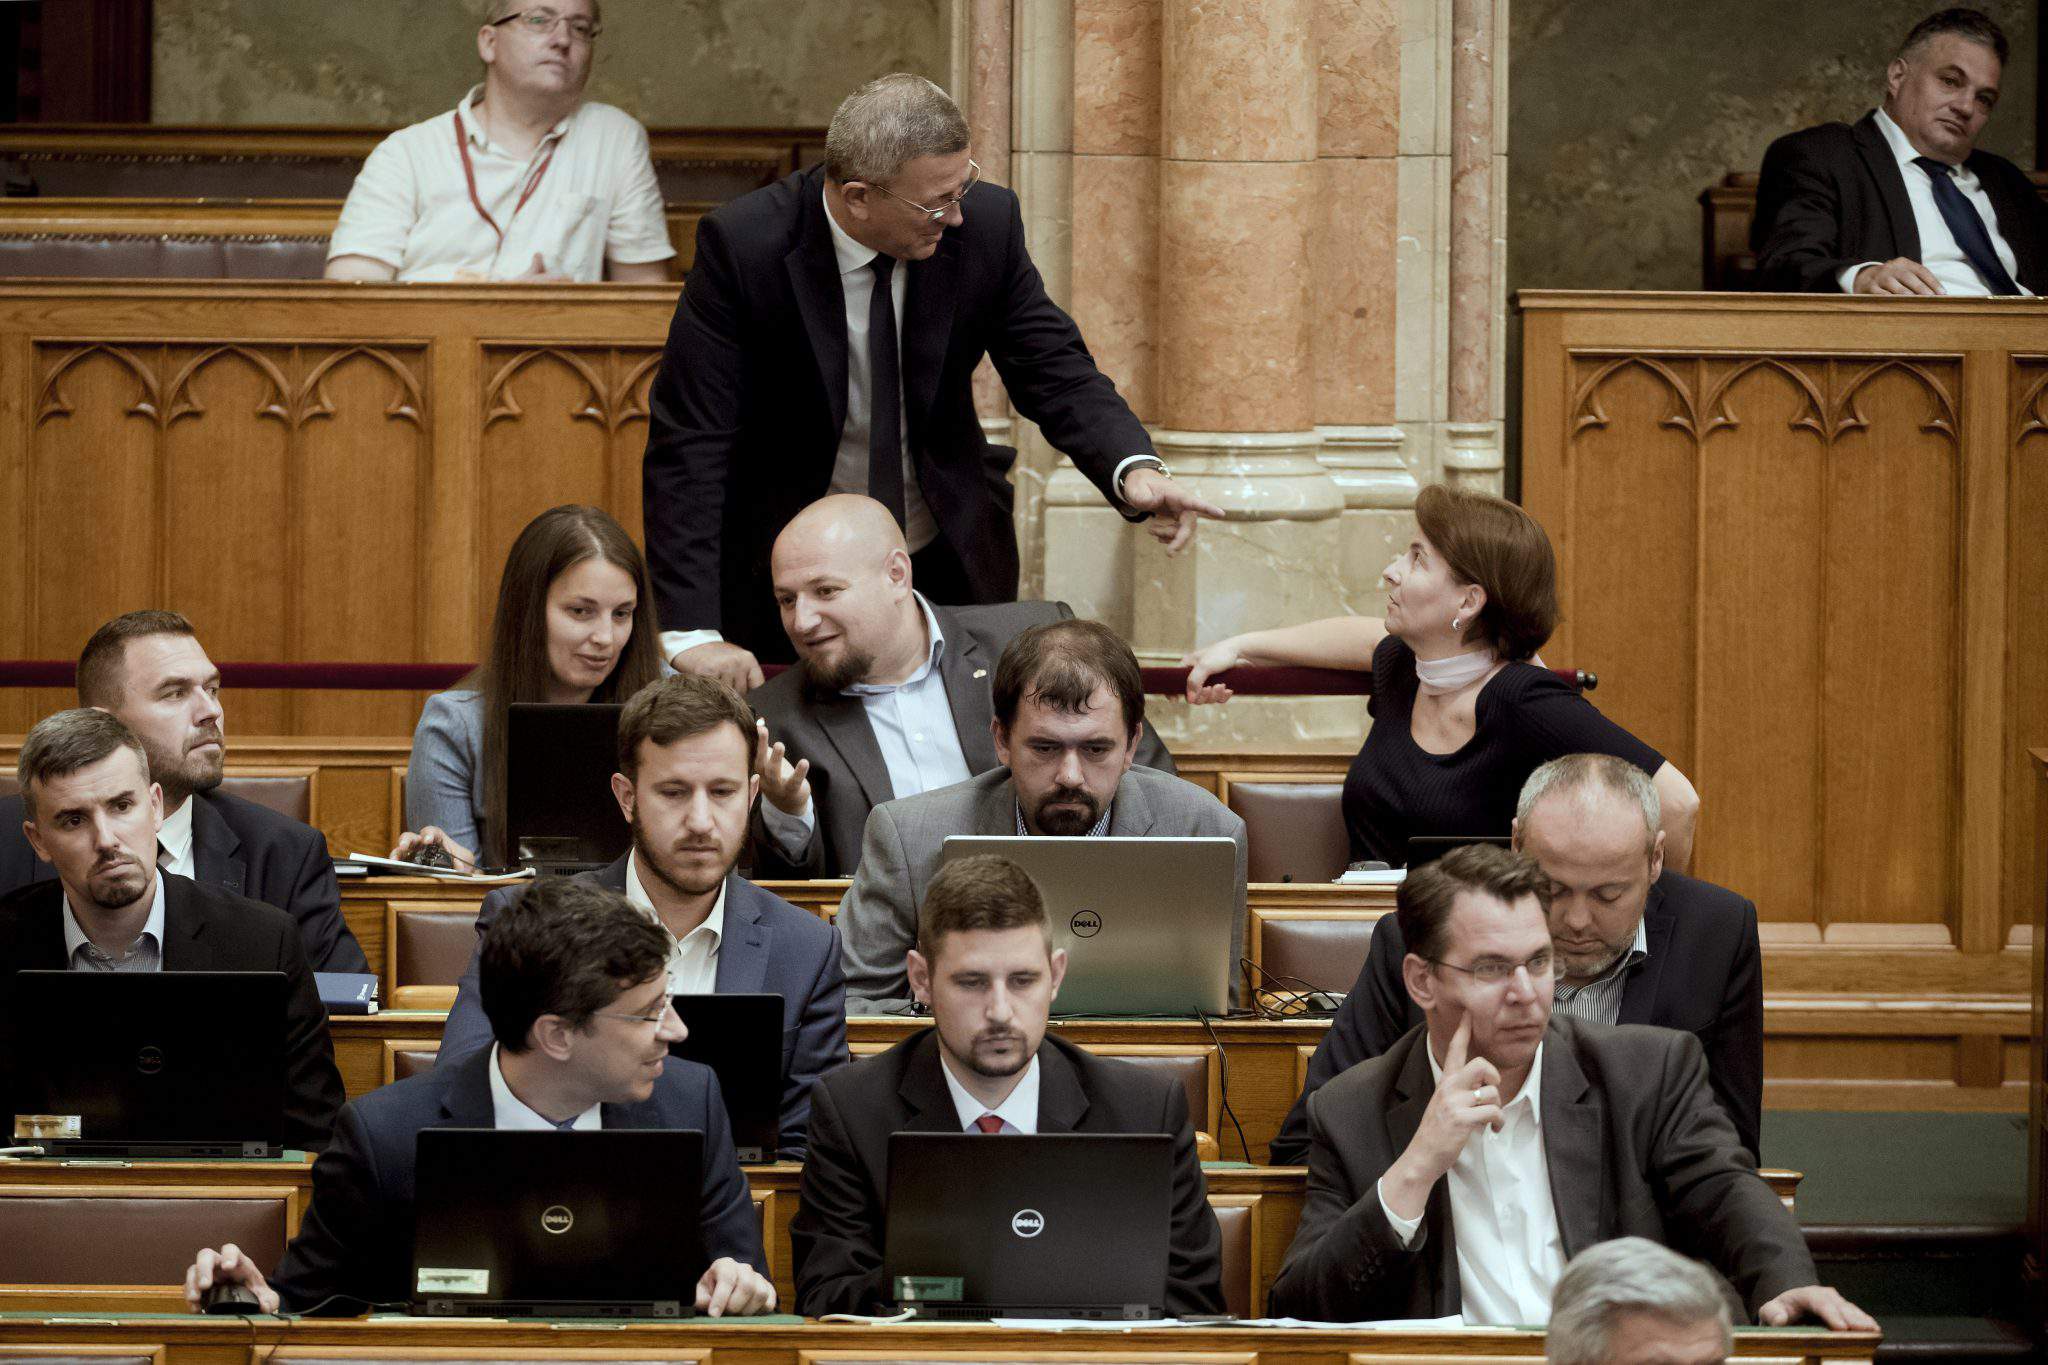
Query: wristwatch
1147	462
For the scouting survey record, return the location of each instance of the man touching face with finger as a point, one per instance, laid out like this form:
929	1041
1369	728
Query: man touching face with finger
1457	1172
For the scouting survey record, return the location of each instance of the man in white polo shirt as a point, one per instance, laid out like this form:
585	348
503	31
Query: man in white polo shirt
521	180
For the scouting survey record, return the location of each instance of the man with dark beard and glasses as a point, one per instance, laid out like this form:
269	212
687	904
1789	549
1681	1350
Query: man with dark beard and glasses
1069	709
148	669
685	784
93	815
891	693
985	964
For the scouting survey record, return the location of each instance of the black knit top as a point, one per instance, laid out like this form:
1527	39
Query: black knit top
1525	716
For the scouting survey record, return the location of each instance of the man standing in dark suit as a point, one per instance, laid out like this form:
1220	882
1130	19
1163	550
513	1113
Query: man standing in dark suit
576	1048
1635	944
684	785
891	695
1903	202
93	815
148	669
826	342
985	965
1456	1174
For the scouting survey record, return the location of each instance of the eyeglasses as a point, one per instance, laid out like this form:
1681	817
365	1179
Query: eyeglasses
540	22
656	1019
938	214
1493	971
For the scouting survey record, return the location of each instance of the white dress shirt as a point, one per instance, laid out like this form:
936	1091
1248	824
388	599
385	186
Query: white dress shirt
174	835
913	725
1018	1111
1938	250
509	1113
1510	1252
410	206
693	958
145	954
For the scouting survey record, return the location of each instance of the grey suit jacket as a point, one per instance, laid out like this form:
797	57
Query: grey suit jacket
848	777
1635	1143
769	946
900	855
444	782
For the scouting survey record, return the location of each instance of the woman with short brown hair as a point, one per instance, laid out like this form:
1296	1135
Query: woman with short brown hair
1461	714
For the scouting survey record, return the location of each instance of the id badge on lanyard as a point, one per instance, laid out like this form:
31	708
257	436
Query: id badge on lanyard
469	177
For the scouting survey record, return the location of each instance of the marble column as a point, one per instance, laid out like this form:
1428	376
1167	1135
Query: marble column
987	104
1472	439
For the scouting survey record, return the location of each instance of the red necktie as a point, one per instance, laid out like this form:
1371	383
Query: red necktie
989	1123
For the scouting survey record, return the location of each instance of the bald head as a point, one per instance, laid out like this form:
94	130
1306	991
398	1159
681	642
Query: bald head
842	583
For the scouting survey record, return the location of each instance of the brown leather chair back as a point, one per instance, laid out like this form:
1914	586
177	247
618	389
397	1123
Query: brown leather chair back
47	1355
1294	831
1192	1064
128	1237
428	945
289	794
402	1061
180	256
1237	1217
1324	951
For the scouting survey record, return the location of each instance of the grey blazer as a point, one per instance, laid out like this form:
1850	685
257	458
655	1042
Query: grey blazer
444	782
1635	1143
848	777
900	855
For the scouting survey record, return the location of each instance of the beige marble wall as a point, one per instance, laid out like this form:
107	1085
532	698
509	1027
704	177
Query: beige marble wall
711	63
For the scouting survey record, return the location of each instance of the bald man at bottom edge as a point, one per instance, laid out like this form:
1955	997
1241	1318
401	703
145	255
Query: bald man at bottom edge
1457	1172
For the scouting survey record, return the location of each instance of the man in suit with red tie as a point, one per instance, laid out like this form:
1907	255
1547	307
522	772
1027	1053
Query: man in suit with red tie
826	343
1903	202
986	968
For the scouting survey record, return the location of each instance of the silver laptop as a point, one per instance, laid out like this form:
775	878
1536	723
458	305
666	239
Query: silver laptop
1148	924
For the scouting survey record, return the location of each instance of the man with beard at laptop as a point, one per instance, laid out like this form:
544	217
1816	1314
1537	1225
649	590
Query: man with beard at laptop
985	966
575	983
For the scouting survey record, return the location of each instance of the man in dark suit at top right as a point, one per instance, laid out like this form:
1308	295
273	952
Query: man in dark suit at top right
1903	202
1635	944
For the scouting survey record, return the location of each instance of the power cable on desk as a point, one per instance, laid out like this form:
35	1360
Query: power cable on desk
1223	1086
1310	1001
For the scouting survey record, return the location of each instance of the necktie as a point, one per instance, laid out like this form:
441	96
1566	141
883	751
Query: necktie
566	1125
163	856
885	395
989	1123
1968	228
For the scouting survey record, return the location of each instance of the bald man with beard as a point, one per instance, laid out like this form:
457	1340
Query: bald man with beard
890	696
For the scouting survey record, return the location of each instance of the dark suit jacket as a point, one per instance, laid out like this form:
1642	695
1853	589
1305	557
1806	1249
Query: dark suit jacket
837	1234
769	946
1635	1144
1704	976
848	777
356	1239
745	414
1831	197
244	849
205	930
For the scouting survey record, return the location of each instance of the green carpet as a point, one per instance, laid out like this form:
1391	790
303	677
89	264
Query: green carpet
1903	1168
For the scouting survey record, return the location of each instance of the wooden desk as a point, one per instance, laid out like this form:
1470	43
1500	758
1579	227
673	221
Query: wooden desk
199	1340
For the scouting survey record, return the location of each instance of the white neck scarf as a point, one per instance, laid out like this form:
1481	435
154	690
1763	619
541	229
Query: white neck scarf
1438	676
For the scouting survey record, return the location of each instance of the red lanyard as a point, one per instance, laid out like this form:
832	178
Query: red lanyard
469	174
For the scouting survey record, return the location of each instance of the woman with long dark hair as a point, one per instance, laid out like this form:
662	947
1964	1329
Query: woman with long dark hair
575	623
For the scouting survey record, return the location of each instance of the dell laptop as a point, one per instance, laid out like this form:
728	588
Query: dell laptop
560	814
1057	1225
596	1224
740	1038
149	1064
1148	924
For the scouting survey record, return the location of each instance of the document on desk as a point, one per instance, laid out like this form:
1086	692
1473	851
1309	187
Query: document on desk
359	864
1148	1324
1384	1325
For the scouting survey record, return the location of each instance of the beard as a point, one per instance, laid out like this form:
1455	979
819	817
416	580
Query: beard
1590	966
116	886
682	878
824	678
1020	1059
186	772
1077	818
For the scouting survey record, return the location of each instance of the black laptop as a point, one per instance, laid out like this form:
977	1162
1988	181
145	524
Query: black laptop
740	1038
597	1224
1057	1225
560	814
149	1064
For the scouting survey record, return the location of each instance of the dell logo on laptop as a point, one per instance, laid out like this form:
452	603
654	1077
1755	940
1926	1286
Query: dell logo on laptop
1085	924
557	1219
149	1060
1027	1222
